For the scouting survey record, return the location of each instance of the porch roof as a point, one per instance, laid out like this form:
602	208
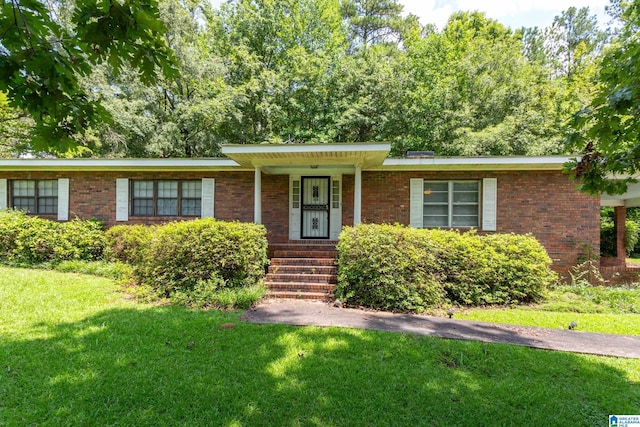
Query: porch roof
363	155
629	199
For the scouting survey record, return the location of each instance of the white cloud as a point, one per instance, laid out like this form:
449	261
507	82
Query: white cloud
514	13
429	11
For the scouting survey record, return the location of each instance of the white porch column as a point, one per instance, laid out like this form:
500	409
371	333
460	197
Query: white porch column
257	196
357	197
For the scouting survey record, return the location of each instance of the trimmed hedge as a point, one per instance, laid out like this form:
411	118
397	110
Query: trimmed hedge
398	268
32	240
186	256
127	243
388	268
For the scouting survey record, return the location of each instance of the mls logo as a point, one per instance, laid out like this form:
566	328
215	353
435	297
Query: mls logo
613	421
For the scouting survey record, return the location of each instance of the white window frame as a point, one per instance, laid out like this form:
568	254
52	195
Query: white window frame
62	197
450	204
488	201
207	203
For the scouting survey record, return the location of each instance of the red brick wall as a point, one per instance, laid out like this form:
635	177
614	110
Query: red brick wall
93	195
544	203
348	182
275	207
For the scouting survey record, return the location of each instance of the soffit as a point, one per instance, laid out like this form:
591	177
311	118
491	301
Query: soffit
474	163
364	155
630	198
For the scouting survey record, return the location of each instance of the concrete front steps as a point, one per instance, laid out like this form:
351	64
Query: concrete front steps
302	271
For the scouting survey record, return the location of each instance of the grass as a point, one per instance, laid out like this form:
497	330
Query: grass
73	351
613	310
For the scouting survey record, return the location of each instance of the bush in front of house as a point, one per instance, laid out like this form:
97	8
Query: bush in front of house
188	260
127	243
389	268
398	268
32	240
496	269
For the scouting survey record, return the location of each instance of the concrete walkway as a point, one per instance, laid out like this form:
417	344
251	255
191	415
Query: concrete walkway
300	312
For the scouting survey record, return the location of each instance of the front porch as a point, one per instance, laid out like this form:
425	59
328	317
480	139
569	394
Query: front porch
615	269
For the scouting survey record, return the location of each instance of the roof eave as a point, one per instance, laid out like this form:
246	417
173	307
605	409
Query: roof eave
475	163
152	165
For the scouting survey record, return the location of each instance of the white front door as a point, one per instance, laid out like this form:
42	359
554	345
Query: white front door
315	207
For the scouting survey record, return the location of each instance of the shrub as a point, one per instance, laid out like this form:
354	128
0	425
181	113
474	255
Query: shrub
11	223
403	269
127	243
183	255
388	268
33	240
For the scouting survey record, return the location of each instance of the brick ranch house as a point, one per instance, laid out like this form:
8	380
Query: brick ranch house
305	193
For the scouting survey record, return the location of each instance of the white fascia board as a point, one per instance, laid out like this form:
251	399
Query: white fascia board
476	163
119	164
302	148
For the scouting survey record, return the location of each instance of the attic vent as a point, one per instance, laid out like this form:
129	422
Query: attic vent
414	154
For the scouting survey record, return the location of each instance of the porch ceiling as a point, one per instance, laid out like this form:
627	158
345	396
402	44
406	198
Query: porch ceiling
630	199
363	155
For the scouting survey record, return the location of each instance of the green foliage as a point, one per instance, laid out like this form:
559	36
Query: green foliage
127	243
586	298
113	270
388	268
607	132
496	269
86	345
213	293
608	237
204	252
403	269
265	71
47	49
33	240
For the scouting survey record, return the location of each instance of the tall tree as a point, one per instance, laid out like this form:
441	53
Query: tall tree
473	92
607	133
278	56
15	126
42	60
172	117
574	39
376	21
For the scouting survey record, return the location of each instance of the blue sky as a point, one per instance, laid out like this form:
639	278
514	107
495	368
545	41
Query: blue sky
512	13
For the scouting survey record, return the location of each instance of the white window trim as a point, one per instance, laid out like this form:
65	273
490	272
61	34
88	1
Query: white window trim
295	213
207	204
63	199
122	199
3	194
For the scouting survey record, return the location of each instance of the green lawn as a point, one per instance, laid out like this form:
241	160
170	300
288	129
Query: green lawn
73	351
613	310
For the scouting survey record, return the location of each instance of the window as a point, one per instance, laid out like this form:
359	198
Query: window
451	203
166	198
335	194
35	196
